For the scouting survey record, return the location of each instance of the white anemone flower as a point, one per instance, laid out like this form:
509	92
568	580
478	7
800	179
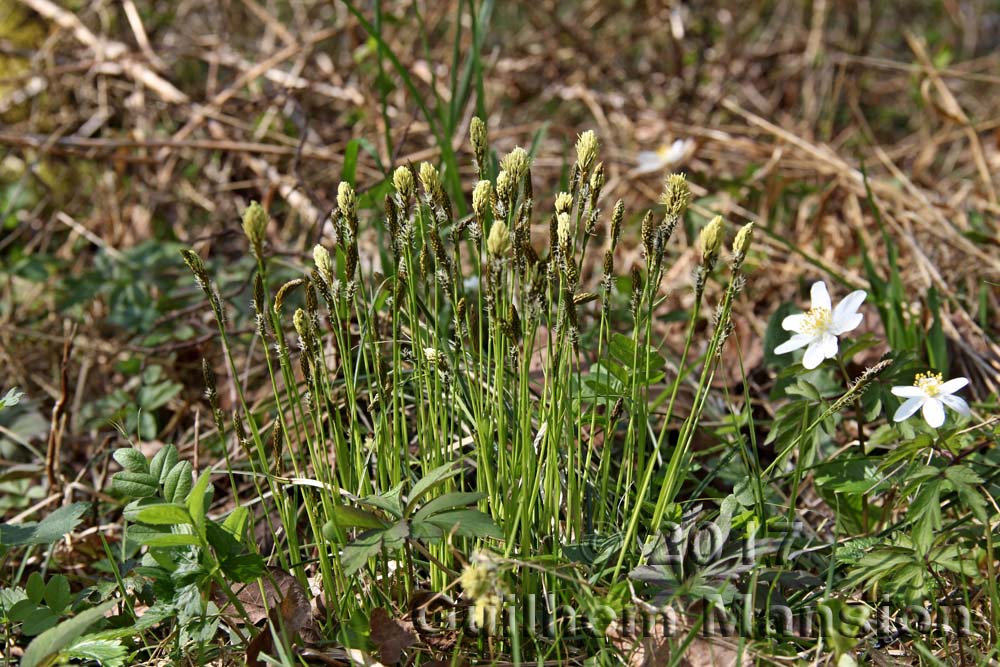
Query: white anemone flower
930	395
664	156
817	329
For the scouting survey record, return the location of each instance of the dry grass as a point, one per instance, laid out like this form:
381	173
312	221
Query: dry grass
127	121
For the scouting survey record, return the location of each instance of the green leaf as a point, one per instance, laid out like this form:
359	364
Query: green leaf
35	587
163	462
467	523
926	512
243	568
164	514
177	484
12	398
107	652
354	517
152	537
388	501
34	619
196	502
448	501
356	554
49	530
131	459
430	480
57	593
350	161
135	484
50	643
968	484
236	523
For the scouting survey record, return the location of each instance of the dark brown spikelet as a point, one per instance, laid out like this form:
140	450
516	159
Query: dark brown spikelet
609	263
616	411
616	222
648	235
284	291
636	290
514	321
240	432
211	389
392	222
277	444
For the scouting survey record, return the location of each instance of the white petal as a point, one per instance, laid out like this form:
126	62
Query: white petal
933	412
649	161
908	391
829	343
955	403
820	297
953	385
907	409
793	343
850	304
814	355
841	324
793	322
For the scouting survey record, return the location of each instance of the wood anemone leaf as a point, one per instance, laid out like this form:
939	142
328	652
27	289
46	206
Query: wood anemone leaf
370	543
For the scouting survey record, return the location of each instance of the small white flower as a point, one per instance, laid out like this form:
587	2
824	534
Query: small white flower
817	329
664	156
930	395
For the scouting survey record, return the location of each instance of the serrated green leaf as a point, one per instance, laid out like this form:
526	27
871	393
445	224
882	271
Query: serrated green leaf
131	460
50	643
243	568
356	554
135	484
47	531
177	484
164	514
390	501
109	653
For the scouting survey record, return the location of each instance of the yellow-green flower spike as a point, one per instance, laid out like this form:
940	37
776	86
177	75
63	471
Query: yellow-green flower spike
402	180
481	198
498	244
710	240
586	150
255	221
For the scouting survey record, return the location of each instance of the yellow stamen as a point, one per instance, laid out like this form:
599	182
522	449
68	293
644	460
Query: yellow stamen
929	383
817	320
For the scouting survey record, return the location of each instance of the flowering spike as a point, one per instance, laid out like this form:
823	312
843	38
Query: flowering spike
255	221
586	150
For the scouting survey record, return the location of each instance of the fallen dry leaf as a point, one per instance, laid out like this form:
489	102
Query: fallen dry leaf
391	636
